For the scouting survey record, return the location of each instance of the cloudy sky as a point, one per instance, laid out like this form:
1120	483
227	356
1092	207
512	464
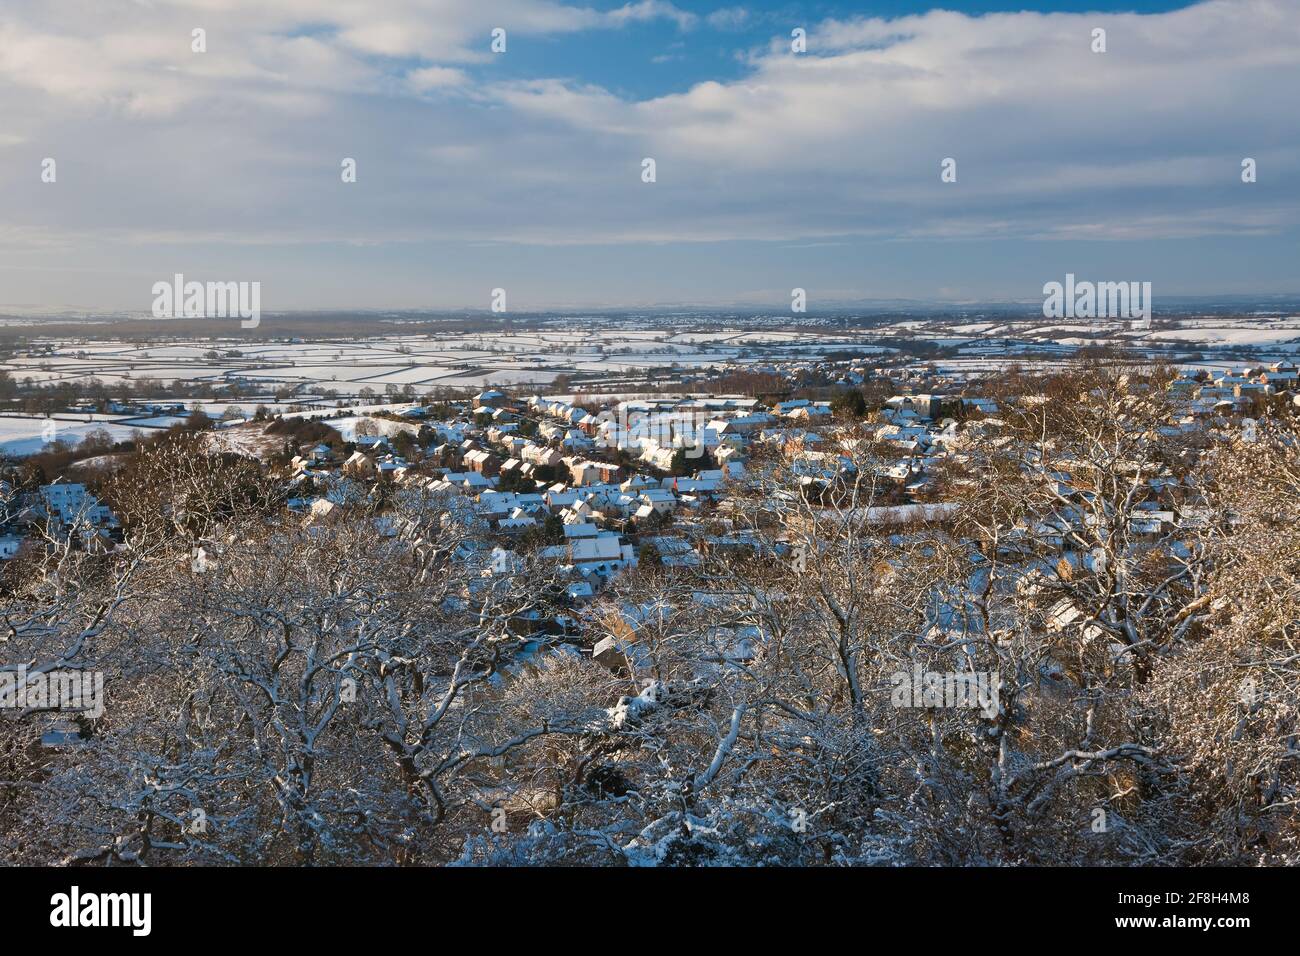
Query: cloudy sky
523	169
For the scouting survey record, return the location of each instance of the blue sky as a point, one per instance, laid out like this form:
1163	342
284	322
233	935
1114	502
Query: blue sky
659	57
522	170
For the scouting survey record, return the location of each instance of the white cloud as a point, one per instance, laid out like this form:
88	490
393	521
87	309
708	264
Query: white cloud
435	77
1052	141
643	10
728	18
851	134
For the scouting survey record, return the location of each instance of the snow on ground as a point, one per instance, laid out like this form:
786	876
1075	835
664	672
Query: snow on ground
25	435
601	352
428	360
248	439
100	463
1229	336
396	407
347	427
155	421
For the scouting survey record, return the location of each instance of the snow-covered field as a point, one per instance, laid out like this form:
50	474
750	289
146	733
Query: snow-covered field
27	435
421	361
595	357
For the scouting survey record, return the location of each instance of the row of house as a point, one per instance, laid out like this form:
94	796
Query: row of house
60	511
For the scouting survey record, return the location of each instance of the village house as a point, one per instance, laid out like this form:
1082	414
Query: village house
482	462
69	503
360	465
